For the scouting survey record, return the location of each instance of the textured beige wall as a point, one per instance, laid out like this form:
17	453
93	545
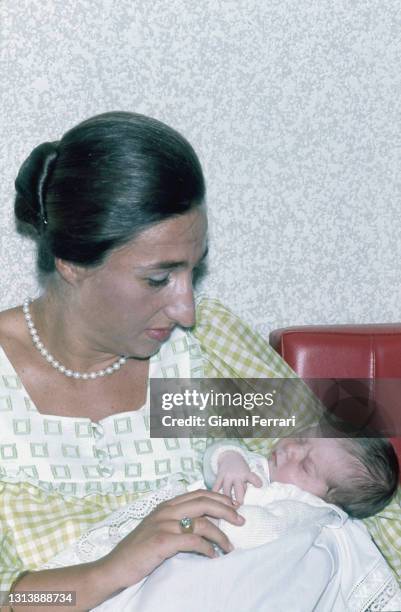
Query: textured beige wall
293	106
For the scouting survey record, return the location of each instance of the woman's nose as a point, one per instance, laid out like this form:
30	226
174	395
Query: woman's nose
181	310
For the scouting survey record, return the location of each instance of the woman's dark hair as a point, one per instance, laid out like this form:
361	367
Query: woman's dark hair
106	180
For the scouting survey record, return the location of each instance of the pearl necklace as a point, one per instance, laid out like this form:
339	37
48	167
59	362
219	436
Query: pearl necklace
56	364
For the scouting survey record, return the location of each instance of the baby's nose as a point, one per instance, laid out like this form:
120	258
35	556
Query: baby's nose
295	450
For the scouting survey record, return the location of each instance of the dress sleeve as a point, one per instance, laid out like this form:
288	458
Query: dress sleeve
231	348
11	566
385	529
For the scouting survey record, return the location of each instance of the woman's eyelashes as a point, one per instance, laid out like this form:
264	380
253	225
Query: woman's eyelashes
198	273
158	281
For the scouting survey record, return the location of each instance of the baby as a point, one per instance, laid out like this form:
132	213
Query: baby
360	475
333	478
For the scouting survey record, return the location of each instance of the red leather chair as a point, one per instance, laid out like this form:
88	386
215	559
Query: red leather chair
368	352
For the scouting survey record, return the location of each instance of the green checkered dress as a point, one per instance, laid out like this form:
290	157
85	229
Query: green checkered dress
60	476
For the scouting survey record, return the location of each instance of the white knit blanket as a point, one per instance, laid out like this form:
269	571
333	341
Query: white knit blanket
277	510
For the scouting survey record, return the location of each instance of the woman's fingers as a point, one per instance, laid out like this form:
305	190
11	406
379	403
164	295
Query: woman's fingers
191	542
204	528
200	506
223	499
160	536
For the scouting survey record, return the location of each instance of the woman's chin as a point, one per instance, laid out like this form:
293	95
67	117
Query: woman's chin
145	352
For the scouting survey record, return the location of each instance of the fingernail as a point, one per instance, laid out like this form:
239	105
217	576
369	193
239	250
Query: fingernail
230	547
240	519
235	503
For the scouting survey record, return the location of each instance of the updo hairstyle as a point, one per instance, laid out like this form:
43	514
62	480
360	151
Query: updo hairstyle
105	181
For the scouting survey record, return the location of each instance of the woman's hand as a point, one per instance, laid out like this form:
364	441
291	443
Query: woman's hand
160	536
233	474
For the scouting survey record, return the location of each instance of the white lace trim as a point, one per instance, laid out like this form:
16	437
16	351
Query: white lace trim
388	600
376	591
102	538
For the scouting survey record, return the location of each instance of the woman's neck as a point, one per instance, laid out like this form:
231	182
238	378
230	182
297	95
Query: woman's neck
65	330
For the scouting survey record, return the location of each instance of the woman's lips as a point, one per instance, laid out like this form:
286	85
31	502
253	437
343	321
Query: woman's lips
159	333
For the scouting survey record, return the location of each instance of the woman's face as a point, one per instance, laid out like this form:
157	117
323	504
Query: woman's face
131	303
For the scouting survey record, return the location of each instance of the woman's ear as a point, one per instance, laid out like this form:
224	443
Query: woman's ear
72	273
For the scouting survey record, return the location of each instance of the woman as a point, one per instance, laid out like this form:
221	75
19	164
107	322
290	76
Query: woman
117	210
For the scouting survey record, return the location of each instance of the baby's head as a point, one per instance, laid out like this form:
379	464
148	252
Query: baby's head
358	474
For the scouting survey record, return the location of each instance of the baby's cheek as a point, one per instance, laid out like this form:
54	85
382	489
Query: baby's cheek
284	475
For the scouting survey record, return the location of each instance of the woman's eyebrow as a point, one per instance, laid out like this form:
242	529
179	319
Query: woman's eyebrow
169	265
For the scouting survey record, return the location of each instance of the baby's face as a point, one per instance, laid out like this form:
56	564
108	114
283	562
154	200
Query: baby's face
309	463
